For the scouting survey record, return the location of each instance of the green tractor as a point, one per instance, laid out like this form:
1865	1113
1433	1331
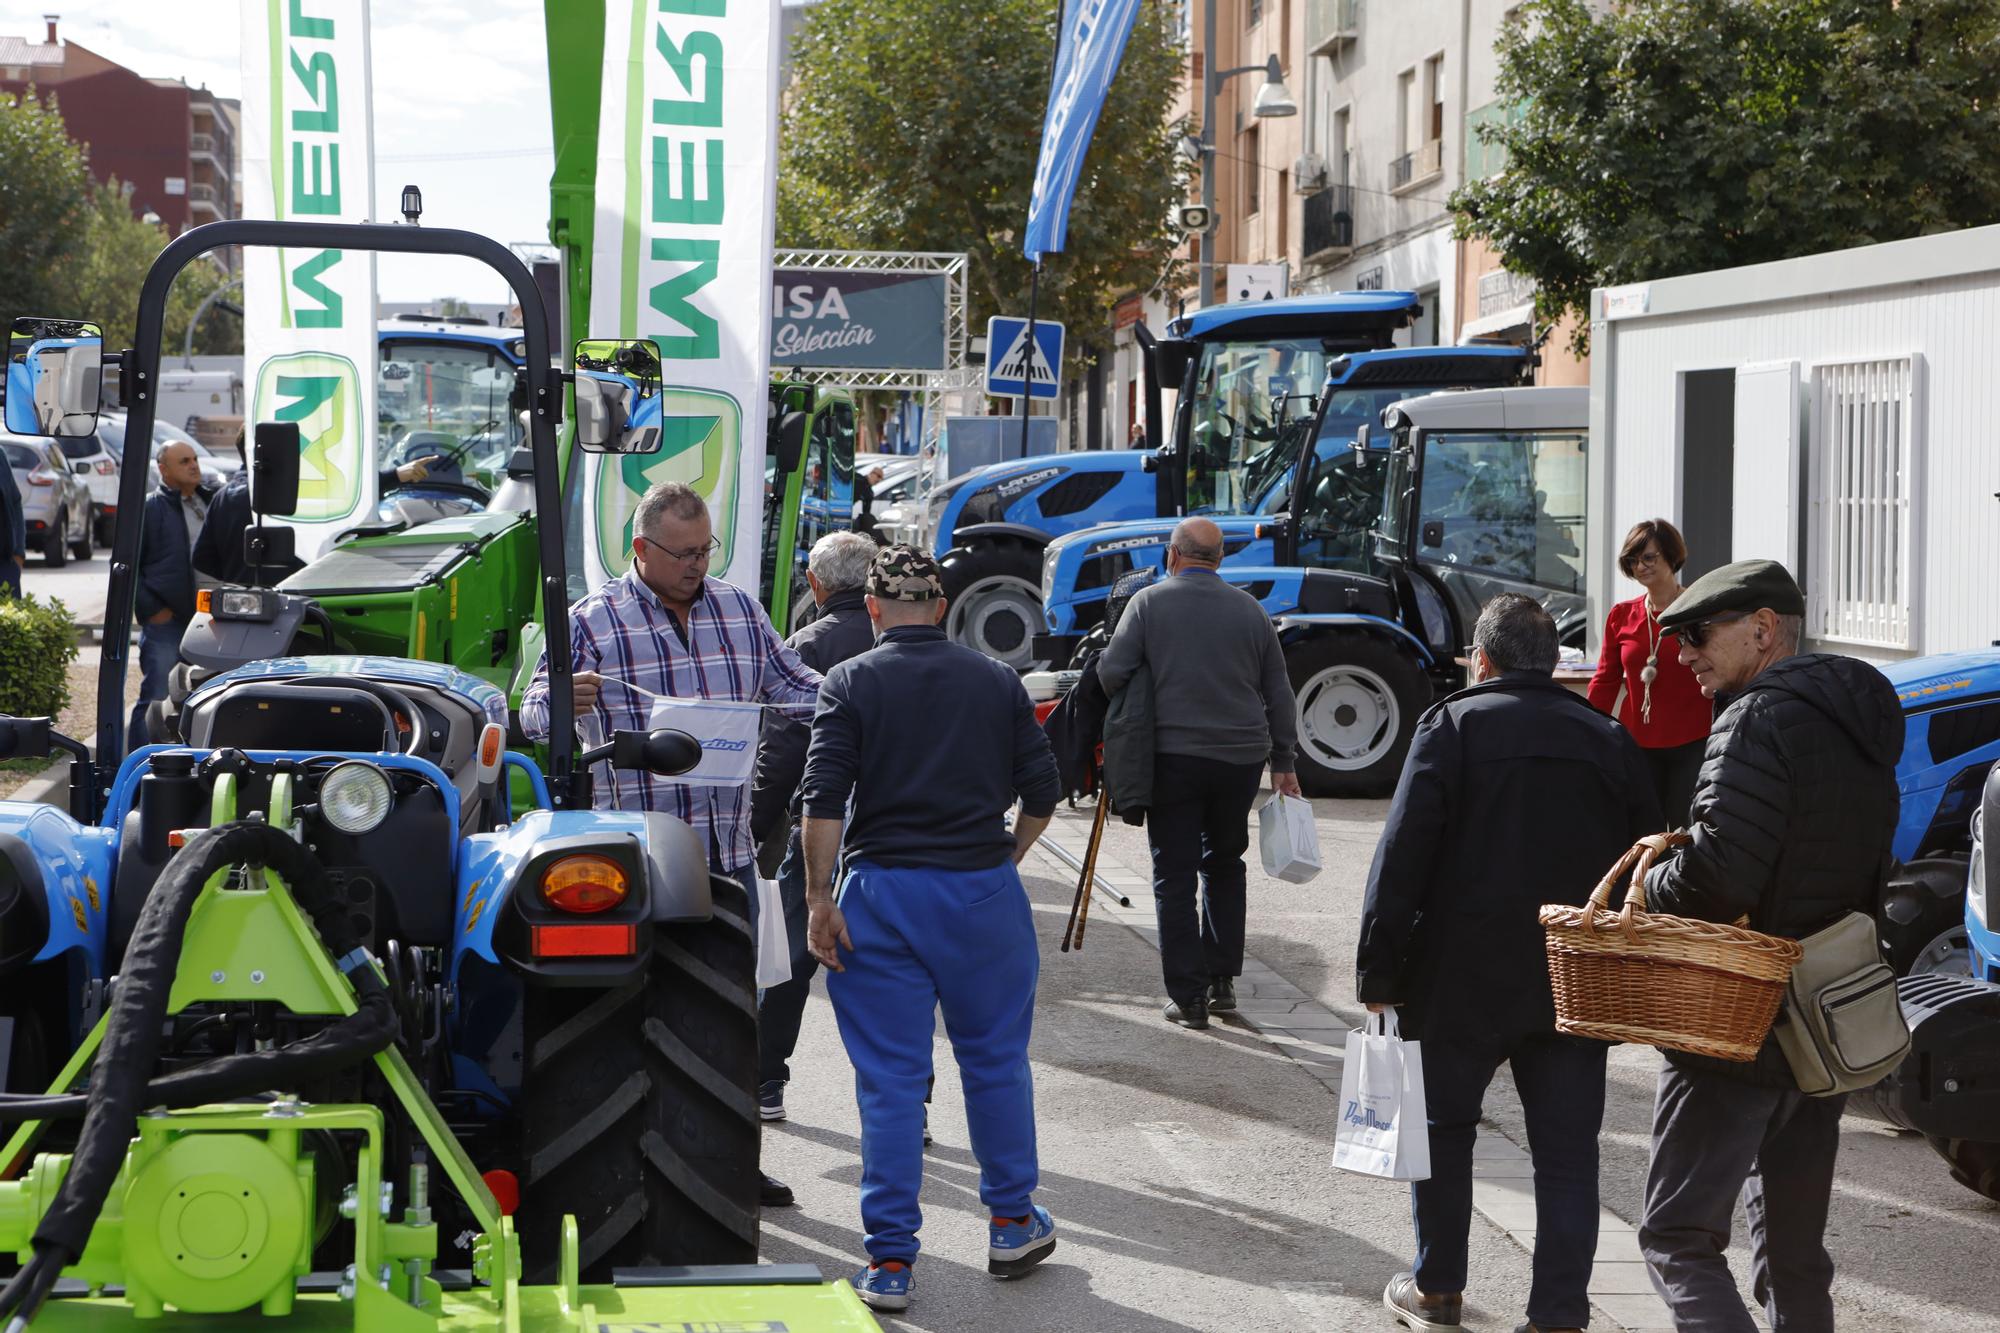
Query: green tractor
353	1037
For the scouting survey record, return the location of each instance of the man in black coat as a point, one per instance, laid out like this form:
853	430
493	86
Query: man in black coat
164	600
1516	793
836	570
1791	824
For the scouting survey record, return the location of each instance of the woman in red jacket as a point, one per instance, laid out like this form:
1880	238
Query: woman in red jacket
1663	708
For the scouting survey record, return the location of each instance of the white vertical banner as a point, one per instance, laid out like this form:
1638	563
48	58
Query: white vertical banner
686	205
309	314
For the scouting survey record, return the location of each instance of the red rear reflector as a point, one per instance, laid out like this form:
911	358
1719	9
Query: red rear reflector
506	1190
595	940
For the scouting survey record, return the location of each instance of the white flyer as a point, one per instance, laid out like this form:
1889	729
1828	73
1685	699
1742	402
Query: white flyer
728	736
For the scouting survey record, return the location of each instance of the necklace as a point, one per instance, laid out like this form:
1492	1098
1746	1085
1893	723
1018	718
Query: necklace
1651	671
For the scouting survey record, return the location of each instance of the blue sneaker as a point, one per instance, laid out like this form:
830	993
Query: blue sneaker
884	1286
771	1100
1013	1247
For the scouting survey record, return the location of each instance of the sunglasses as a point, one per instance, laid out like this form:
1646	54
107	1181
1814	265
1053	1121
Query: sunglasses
1696	633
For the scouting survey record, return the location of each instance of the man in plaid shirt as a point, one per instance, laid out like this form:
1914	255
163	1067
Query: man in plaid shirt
669	629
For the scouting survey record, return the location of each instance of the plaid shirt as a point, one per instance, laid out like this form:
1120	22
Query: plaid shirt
625	633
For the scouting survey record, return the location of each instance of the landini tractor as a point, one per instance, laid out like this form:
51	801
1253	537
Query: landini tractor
305	1015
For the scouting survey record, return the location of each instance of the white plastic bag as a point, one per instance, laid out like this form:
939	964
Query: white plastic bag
1288	839
1384	1130
774	942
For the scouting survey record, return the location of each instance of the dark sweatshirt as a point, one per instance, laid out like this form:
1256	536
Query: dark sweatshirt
1219	686
934	741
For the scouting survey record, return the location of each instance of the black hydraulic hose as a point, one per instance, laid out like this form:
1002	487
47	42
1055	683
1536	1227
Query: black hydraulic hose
132	1033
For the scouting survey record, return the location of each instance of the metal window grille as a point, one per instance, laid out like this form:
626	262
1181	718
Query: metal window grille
1863	473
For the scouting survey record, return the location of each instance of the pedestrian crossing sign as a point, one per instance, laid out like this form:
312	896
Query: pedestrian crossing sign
1007	361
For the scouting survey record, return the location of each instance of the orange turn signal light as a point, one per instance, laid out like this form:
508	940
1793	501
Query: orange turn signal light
584	884
204	601
596	940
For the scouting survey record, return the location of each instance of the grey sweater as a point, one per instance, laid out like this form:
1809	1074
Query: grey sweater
1219	685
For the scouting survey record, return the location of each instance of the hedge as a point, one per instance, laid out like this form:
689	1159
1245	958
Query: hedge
37	644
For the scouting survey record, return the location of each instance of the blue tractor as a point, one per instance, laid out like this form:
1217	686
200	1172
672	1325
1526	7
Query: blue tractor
556	1003
1937	923
1249	376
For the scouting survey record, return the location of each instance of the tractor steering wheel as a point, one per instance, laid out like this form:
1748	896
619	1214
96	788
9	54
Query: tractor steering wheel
400	705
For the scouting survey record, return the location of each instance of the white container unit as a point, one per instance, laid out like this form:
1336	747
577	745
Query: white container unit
1839	413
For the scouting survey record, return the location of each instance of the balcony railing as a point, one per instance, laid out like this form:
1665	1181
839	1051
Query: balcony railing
1422	164
1330	23
1329	220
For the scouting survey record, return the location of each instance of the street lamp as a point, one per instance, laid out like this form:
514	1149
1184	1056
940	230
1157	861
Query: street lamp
1273	99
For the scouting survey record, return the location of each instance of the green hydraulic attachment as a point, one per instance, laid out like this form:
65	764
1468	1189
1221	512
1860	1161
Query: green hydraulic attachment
215	1209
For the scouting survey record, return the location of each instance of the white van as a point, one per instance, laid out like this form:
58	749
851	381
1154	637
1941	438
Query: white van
187	394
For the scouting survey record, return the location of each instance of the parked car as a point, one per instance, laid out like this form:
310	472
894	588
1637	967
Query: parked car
54	499
94	460
215	467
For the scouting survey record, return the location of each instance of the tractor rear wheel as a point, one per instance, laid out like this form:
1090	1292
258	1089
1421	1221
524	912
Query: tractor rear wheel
639	1107
1359	698
994	594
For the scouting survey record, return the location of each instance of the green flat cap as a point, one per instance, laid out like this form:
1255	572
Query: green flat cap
1747	585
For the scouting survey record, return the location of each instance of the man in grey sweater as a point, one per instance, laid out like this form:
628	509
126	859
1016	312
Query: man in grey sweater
1222	708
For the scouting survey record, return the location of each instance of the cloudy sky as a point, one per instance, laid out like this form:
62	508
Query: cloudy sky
461	108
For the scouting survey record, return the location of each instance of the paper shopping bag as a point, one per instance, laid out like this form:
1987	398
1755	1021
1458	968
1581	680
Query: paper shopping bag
1288	839
1384	1130
774	942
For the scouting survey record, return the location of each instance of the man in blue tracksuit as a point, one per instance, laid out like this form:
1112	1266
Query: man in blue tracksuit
921	746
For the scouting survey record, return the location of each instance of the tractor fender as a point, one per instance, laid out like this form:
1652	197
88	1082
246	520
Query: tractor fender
1295	625
491	867
1019	532
62	878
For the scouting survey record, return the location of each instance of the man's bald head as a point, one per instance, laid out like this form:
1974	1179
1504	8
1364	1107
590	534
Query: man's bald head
1197	541
179	467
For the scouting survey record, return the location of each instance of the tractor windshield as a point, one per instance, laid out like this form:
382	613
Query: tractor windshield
450	400
1251	411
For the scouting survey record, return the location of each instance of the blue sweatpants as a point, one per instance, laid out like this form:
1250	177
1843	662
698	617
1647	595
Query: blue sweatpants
963	941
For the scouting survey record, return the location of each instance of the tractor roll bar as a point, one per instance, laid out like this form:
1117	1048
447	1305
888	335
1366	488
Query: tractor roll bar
140	371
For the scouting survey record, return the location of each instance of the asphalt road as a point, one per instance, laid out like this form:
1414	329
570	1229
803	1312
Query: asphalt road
79	585
1189	1172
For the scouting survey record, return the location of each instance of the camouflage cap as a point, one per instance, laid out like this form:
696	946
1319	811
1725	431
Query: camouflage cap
905	574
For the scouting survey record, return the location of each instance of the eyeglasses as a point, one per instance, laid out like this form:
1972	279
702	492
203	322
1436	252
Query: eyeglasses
1645	558
693	555
1696	634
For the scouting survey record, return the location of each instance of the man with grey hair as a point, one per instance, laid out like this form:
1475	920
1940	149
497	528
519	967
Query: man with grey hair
1222	708
1451	939
835	571
665	627
1790	826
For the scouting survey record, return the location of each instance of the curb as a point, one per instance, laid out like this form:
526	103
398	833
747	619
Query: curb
1314	1037
49	787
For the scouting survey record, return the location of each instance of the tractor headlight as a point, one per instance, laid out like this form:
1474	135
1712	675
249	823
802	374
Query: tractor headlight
355	797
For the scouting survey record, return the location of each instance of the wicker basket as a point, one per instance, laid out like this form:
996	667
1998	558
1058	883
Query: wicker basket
1657	980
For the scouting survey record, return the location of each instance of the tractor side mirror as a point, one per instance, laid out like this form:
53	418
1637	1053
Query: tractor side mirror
618	408
24	738
1170	360
1361	439
789	446
267	550
665	752
274	469
53	371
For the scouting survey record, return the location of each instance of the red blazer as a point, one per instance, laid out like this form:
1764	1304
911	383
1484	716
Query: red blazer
1680	714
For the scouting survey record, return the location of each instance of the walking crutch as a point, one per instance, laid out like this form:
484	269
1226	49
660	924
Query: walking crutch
1079	908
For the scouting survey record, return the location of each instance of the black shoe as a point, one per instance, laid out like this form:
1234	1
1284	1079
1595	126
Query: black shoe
774	1193
1192	1014
1222	995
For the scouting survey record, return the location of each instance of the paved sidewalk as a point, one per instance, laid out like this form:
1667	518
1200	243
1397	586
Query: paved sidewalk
1314	1036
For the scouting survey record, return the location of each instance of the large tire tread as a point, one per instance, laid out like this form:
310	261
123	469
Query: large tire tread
1974	1164
639	1107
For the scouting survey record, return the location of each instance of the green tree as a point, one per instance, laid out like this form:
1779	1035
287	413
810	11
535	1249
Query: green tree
1676	136
44	203
915	125
102	280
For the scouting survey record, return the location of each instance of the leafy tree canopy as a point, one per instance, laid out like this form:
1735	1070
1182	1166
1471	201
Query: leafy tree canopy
915	125
44	206
1677	136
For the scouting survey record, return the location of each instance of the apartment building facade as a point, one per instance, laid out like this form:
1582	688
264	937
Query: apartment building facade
174	146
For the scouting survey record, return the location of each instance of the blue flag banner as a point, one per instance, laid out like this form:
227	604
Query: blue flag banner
1089	47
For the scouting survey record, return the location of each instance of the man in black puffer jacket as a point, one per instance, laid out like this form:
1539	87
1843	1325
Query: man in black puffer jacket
1792	817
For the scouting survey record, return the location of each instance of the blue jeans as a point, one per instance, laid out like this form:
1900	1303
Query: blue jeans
159	651
1561	1081
925	938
